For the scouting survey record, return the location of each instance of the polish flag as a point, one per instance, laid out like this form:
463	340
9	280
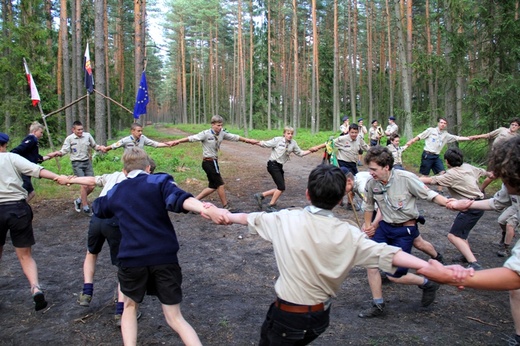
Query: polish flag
35	96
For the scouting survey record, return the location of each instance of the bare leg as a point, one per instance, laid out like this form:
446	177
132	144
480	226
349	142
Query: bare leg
222	195
463	246
268	192
408	279
173	316
84	192
425	246
89	268
277	193
204	193
129	322
29	267
485	184
375	282
514	301
31	196
510	234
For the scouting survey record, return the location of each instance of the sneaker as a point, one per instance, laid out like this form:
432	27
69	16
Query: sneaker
374	311
84	299
117	318
77	205
39	301
259	199
271	208
439	258
429	293
459	259
227	206
475	265
86	210
504	252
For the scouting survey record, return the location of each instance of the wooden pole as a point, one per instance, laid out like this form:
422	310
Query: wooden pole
49	135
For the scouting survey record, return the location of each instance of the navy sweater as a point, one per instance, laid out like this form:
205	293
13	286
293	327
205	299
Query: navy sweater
29	149
141	204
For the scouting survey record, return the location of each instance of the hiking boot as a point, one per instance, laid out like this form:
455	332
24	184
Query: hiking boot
117	318
84	299
227	207
87	211
77	205
459	259
259	199
439	258
39	301
374	311
429	292
271	208
475	265
504	252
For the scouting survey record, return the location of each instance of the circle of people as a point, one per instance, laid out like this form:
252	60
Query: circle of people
309	278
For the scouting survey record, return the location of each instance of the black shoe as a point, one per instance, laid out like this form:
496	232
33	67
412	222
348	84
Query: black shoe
39	301
459	259
429	293
439	258
259	199
475	265
374	311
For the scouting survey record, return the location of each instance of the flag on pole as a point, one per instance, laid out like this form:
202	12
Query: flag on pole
35	96
141	99
89	79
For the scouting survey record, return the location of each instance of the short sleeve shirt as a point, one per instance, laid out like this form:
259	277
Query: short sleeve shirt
281	149
131	142
391	129
348	149
13	167
397	199
315	251
78	147
435	139
501	134
211	141
462	182
397	153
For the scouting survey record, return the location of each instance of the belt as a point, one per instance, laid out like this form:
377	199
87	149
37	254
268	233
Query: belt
430	153
403	224
208	159
298	309
13	202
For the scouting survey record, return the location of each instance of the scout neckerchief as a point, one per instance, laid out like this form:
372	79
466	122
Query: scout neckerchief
217	143
135	140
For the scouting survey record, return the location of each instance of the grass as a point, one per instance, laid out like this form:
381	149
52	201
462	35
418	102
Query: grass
183	161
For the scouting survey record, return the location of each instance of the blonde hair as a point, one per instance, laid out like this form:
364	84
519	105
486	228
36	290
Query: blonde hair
288	129
217	119
35	126
135	159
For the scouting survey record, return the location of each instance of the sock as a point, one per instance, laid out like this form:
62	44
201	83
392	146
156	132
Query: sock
119	308
88	289
379	301
425	282
78	200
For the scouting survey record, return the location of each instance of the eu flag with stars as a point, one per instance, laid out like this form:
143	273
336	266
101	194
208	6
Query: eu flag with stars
142	98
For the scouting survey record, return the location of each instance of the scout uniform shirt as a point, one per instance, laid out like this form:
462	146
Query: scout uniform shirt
281	149
501	134
397	199
13	166
348	149
462	181
78	147
397	153
435	139
211	141
131	142
392	129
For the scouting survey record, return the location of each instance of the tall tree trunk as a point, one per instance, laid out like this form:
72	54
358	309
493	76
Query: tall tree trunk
75	63
295	63
79	71
66	63
269	72
251	60
335	78
409	42
429	50
107	73
99	41
406	87
314	81
369	61
352	58
390	66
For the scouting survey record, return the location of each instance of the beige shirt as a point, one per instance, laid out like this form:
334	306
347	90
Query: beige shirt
107	181
13	166
501	134
397	153
131	142
391	129
435	139
78	147
462	182
397	199
315	251
348	149
363	131
372	134
281	149
211	141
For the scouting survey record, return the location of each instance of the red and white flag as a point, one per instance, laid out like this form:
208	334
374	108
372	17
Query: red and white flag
35	96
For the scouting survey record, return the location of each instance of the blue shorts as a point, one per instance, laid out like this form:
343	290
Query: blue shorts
100	230
464	222
399	236
347	167
431	162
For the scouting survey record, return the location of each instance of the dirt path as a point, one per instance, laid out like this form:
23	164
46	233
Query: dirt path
229	277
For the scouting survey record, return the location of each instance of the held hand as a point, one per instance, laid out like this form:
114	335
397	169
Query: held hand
63	179
451	275
459	205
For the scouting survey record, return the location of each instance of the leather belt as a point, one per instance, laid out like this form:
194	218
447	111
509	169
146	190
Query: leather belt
208	159
430	153
404	224
13	202
298	309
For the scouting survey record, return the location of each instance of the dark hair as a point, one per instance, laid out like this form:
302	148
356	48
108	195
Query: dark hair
454	156
446	120
504	161
394	136
77	123
353	127
373	121
326	186
380	155
135	125
515	120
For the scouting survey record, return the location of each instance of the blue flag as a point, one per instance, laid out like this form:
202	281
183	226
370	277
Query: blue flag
141	99
89	79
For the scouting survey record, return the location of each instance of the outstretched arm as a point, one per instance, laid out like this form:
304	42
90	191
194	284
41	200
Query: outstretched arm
240	218
248	140
412	141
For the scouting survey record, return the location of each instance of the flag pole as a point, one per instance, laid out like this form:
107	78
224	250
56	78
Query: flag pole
49	135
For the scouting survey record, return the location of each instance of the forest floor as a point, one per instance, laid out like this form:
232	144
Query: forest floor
229	277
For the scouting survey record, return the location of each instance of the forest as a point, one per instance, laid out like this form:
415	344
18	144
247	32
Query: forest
262	64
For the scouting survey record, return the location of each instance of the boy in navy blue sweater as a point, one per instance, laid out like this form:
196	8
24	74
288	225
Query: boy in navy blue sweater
148	249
